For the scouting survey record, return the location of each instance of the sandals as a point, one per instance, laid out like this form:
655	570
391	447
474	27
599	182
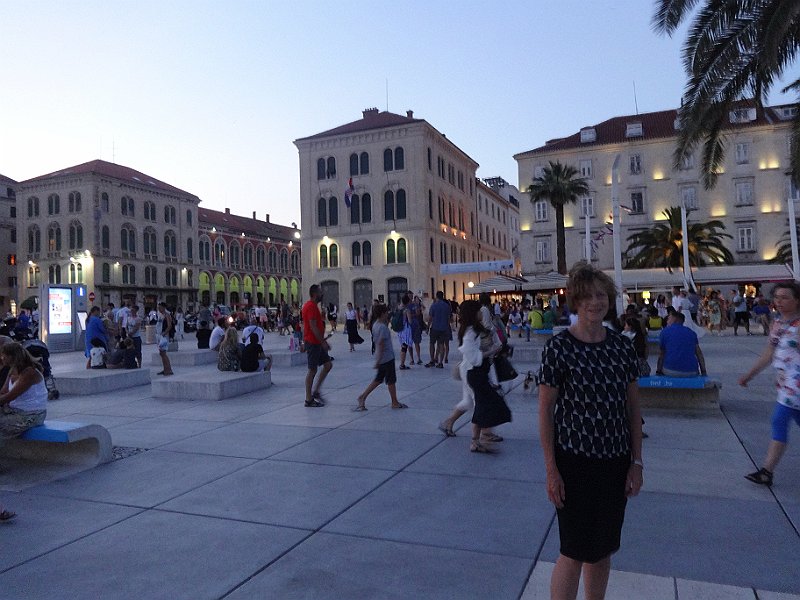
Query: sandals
404	368
476	446
491	437
400	405
7	515
360	408
761	477
447	431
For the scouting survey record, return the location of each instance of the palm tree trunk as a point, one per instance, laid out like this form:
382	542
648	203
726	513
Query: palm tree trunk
561	245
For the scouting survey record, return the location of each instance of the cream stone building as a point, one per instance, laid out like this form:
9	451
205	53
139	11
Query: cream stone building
413	207
750	197
123	233
503	216
8	244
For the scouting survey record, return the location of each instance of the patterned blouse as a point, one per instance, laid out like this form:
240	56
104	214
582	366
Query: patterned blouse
784	337
592	380
229	358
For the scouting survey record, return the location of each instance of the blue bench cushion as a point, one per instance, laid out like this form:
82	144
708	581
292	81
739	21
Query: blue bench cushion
686	383
51	431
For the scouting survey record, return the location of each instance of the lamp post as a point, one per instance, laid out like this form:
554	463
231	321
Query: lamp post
616	235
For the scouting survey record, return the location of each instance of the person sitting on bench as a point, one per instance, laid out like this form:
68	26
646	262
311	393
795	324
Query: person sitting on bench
681	355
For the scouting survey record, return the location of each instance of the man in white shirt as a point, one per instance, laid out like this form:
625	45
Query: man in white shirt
121	318
218	334
676	298
252	328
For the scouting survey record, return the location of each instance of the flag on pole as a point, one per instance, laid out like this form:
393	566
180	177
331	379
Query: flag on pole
348	192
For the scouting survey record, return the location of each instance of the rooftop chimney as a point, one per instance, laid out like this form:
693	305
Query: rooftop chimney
254	215
227	211
410	114
267	217
370	112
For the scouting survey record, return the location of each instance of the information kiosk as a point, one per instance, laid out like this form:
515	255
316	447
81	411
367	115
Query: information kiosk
63	310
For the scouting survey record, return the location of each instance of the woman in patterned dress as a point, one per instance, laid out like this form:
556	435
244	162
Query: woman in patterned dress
783	351
591	433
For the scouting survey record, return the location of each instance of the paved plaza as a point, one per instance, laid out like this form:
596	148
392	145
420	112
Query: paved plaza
259	497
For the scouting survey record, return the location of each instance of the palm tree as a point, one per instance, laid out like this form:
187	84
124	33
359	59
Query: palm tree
559	185
784	254
660	246
735	49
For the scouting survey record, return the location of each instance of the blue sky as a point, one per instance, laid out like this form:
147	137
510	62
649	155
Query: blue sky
208	96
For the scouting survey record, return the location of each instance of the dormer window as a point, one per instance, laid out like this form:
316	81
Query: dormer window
588	134
634	130
788	112
742	115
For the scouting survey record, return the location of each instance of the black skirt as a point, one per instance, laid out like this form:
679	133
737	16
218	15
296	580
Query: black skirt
490	408
351	327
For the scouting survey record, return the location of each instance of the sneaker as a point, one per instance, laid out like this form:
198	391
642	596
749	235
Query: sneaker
440	366
430	364
314	404
761	477
318	397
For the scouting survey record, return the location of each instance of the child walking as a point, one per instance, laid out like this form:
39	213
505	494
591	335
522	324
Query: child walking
384	360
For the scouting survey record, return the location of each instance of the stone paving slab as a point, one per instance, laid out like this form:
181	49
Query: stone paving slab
297	415
452	512
281	493
245	440
154	555
46	515
157	431
333	567
144	480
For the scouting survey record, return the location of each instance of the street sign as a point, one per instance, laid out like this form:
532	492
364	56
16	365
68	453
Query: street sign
91	296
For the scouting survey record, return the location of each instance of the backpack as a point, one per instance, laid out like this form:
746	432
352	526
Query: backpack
397	321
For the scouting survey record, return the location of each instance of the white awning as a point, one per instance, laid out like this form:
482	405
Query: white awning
499	283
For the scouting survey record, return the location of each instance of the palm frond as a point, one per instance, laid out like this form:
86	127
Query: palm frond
670	13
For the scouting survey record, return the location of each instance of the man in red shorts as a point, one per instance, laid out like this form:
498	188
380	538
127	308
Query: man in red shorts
316	347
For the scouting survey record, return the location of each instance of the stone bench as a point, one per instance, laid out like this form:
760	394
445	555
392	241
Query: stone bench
660	391
287	358
85	382
187	358
526	354
62	442
209	384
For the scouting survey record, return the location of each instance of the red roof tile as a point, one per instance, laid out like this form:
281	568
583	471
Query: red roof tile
372	119
655	125
108	169
235	225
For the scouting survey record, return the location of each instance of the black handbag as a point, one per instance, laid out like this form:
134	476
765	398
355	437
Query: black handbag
504	369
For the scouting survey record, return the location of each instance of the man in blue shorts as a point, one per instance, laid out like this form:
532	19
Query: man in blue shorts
440	335
680	351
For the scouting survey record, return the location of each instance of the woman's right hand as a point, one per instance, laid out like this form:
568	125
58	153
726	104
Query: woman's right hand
555	488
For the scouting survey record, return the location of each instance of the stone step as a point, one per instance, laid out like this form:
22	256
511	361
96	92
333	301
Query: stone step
209	384
187	358
85	382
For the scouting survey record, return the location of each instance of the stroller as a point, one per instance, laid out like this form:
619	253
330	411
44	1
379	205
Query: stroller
38	349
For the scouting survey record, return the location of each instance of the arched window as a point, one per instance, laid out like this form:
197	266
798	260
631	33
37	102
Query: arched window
323	256
320	168
284	260
188	217
34	240
149	243
333	211
366	254
75	273
388	160
126	206
433	253
364	163
104	204
106	273
129	274
366	208
54	274
295	262
150	276
189	250
391	256
54	238
235	255
169	215
219	253
127	241
353	164
430	205
401	251
331	170
53	204
273	259
399	159
400	199
248	256
322	212
388	205
355	209
334	256
74	202
355	252
204	250
260	258
34	277
149	210
105	239
170	246
33	207
75	236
